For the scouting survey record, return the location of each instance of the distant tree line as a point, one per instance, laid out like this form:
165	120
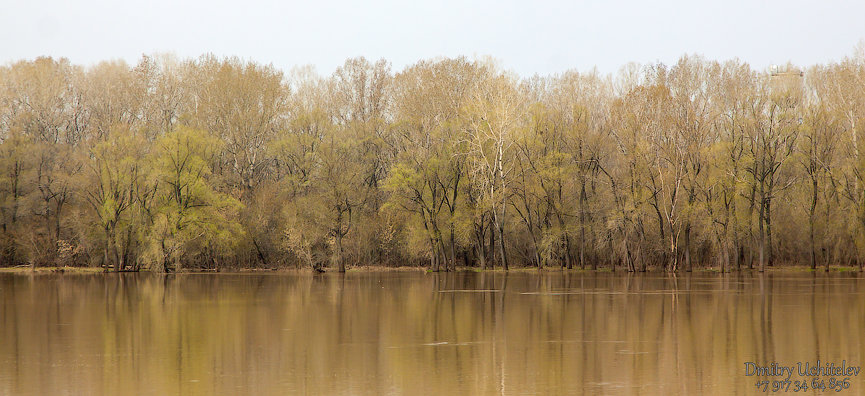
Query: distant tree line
215	163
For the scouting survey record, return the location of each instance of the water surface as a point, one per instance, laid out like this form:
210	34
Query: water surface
420	333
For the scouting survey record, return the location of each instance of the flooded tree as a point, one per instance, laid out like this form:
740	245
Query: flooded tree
450	162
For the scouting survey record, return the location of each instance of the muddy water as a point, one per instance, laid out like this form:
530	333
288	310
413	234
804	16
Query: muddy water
421	333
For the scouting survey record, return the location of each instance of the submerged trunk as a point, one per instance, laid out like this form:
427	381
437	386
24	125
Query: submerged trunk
453	249
535	250
674	250
479	250
502	250
811	221
762	240
568	263
499	227
828	259
339	253
629	265
737	256
492	247
770	258
443	254
762	249
612	253
479	246
106	257
434	263
688	248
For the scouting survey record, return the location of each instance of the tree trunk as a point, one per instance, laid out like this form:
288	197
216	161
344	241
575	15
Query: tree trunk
583	203
339	253
442	251
735	248
492	245
828	259
57	219
105	256
479	251
751	254
811	221
737	256
688	248
433	256
118	259
770	257
260	254
762	249
612	253
628	259
674	251
661	232
164	258
502	249
48	228
760	220
535	251
813	245
444	256
453	249
568	263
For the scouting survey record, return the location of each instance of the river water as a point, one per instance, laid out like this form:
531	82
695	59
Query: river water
382	333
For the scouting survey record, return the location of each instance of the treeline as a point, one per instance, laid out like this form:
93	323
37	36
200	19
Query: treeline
221	163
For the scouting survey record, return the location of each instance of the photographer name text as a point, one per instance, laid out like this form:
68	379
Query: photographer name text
803	376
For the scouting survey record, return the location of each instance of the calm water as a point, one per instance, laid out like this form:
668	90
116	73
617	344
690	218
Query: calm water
420	333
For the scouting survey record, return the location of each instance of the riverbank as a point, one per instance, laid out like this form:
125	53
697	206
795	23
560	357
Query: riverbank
51	270
378	268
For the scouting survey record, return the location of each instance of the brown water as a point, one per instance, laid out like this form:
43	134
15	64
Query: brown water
421	333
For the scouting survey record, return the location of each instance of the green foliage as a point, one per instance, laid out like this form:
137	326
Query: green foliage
187	208
213	163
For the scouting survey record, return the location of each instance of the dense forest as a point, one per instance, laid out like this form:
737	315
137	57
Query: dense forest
213	163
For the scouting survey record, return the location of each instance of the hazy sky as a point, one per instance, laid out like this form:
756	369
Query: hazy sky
526	36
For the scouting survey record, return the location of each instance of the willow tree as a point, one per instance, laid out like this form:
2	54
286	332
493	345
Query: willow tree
427	177
536	166
580	103
717	187
773	130
692	87
243	104
725	184
341	187
43	116
189	212
113	175
841	89
358	101
14	162
817	145
297	164
641	184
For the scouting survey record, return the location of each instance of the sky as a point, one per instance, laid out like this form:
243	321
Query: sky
527	37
